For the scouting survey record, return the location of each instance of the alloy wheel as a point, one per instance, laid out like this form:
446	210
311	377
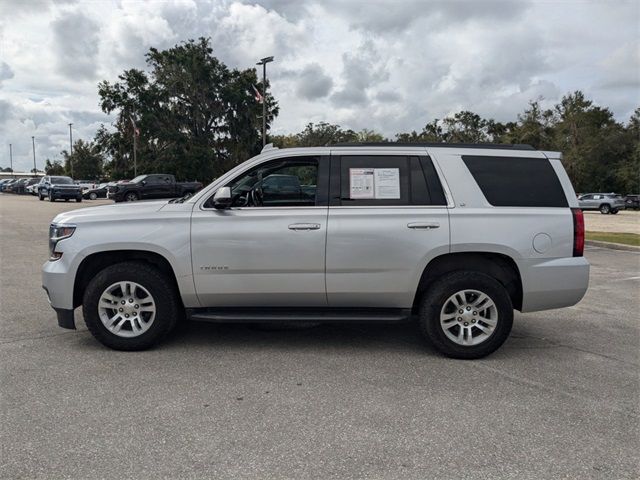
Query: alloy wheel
126	309
468	317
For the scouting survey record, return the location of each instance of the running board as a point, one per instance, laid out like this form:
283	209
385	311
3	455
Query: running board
259	315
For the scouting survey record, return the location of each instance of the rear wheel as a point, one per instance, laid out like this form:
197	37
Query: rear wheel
605	208
131	197
130	306
51	197
93	196
466	315
614	211
40	196
78	199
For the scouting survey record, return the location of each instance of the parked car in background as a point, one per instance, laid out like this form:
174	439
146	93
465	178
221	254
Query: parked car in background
632	202
99	191
4	183
8	187
21	186
151	186
456	235
58	187
604	202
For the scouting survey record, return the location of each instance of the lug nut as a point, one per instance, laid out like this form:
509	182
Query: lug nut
131	300
473	321
468	308
126	315
459	318
122	302
466	324
120	309
460	311
475	313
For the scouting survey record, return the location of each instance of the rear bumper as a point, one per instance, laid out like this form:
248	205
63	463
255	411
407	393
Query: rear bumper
555	283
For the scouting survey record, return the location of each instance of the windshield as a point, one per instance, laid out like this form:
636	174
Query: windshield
138	179
61	180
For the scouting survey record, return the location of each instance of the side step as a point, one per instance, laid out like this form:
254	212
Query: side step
259	315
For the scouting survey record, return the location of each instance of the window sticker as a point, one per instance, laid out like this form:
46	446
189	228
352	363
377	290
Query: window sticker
361	183
387	183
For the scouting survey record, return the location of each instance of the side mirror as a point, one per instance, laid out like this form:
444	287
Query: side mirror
222	198
143	183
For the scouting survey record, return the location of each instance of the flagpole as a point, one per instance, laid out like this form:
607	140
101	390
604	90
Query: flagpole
135	154
264	62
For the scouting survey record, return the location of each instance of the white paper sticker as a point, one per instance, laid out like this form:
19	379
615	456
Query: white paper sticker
387	183
361	183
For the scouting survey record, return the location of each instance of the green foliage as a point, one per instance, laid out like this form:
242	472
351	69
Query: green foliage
196	117
53	168
86	160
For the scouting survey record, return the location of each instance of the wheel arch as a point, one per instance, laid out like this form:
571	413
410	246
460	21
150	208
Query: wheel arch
499	266
94	263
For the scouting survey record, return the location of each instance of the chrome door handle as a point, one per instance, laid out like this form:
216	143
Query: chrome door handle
423	226
304	226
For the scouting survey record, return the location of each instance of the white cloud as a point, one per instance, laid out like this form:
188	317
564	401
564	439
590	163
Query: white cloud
390	65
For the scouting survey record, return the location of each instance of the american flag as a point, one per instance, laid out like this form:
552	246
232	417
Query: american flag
258	96
136	130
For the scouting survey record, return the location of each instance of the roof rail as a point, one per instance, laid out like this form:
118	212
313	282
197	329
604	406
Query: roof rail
496	146
267	147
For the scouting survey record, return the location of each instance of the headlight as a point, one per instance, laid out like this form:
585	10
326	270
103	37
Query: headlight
58	232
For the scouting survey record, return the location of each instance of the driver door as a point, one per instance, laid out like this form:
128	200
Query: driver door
268	249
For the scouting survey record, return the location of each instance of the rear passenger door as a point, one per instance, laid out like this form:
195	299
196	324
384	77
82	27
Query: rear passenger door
388	218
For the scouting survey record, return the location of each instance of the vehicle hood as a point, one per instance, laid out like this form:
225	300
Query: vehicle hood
111	212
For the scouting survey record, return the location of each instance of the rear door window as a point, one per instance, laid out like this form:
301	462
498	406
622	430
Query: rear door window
516	181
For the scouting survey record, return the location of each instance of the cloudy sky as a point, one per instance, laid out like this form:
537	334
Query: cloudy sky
390	65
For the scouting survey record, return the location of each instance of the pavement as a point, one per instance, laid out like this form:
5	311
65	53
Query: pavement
558	400
626	221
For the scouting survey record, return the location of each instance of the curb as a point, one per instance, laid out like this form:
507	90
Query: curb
612	246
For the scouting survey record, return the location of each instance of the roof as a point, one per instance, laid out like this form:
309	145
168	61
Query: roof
493	146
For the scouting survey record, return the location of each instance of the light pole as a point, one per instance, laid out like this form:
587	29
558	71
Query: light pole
71	149
33	143
264	62
11	158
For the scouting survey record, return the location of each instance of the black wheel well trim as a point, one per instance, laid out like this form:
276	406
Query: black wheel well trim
92	264
497	265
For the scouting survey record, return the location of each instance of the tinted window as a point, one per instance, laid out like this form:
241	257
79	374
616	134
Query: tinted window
388	180
516	181
61	180
281	183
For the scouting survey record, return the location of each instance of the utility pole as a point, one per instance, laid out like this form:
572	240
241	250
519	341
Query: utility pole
71	150
33	142
11	158
264	62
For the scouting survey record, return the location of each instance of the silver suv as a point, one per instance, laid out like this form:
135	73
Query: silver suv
457	236
604	202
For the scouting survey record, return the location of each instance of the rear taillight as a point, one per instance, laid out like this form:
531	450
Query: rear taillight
578	232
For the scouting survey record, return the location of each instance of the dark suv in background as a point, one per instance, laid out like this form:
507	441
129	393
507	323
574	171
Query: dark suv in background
54	188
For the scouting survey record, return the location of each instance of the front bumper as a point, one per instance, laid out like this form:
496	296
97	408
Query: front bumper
553	283
66	193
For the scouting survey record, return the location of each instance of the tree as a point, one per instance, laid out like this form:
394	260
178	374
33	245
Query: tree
87	161
316	135
6	169
196	117
53	168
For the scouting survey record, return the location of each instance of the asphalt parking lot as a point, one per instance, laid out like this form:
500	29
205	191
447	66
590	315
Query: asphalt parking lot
559	400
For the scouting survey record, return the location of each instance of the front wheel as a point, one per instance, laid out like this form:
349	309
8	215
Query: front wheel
130	306
40	196
605	209
131	197
466	315
78	199
614	211
93	196
51	197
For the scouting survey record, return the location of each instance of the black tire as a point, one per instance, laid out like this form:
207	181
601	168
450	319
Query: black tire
435	298
78	199
93	196
168	304
40	197
51	197
130	197
605	208
614	211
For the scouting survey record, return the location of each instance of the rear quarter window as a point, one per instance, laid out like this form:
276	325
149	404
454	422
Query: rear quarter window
516	181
